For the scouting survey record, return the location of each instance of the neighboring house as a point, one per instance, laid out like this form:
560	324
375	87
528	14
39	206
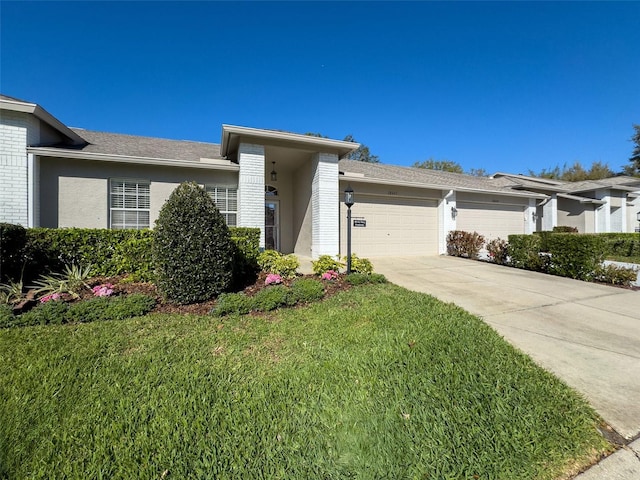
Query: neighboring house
288	185
591	206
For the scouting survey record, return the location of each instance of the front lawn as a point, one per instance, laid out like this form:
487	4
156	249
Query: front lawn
375	382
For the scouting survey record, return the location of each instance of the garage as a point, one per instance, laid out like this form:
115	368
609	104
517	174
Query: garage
490	220
386	226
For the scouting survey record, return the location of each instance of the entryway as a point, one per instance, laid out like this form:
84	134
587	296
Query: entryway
272	225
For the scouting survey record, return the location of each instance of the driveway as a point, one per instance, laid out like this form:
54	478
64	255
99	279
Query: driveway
587	334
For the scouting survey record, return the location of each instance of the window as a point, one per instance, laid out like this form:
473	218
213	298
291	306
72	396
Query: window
226	199
129	204
270	191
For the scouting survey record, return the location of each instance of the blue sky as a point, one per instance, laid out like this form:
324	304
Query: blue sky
501	86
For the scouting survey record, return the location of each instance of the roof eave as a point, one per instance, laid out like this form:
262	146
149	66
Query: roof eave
431	186
104	157
232	132
42	114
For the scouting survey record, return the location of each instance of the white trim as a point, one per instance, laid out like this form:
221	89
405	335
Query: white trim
103	157
31	190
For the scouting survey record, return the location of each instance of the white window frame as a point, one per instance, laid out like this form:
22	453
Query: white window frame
227	204
136	201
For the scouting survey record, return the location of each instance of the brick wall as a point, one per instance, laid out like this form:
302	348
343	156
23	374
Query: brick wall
17	130
325	211
251	188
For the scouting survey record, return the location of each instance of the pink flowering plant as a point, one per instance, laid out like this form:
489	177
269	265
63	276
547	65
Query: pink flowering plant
104	290
329	275
273	279
50	297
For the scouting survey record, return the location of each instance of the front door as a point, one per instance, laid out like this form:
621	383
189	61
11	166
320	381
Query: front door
271	225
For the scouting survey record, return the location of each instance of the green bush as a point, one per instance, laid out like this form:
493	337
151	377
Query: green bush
267	259
133	257
271	298
564	229
575	255
6	315
128	306
621	244
304	290
615	275
86	311
230	303
13	239
246	243
360	265
192	248
464	244
324	263
361	279
286	266
109	252
524	252
53	312
498	251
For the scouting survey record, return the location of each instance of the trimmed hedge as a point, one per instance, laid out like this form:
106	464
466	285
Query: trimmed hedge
13	239
524	252
575	255
110	252
621	244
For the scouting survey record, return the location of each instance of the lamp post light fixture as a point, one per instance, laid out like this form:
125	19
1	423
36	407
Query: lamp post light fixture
348	201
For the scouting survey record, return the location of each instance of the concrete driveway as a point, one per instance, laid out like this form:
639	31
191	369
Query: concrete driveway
587	334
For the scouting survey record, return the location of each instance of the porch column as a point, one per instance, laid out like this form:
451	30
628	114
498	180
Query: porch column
550	213
603	212
33	190
251	187
325	213
529	219
447	222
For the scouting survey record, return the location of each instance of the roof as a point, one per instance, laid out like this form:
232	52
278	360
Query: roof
618	183
17	105
148	147
232	135
425	178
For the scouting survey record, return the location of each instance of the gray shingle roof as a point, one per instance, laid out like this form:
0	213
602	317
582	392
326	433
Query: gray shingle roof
146	147
424	176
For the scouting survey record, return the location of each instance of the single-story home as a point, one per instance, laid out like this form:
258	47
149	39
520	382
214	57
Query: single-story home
288	185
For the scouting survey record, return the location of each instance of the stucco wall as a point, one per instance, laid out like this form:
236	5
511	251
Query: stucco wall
572	213
301	209
75	193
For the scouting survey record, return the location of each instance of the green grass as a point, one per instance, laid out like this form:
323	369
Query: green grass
377	382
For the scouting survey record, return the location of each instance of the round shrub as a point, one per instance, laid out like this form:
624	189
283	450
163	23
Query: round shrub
324	263
360	265
306	290
271	298
267	259
192	248
229	303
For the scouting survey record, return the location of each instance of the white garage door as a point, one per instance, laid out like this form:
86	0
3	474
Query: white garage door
392	226
491	221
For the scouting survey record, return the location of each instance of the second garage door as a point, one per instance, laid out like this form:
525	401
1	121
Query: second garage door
492	221
392	226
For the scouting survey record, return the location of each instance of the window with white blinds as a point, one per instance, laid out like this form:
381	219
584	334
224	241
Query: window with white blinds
129	204
226	199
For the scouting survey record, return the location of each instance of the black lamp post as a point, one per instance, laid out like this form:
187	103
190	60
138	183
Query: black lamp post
348	201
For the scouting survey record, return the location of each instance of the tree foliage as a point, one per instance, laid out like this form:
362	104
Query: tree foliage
192	248
634	167
575	172
362	154
442	165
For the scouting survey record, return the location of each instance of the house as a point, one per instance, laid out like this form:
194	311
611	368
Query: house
288	185
591	206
